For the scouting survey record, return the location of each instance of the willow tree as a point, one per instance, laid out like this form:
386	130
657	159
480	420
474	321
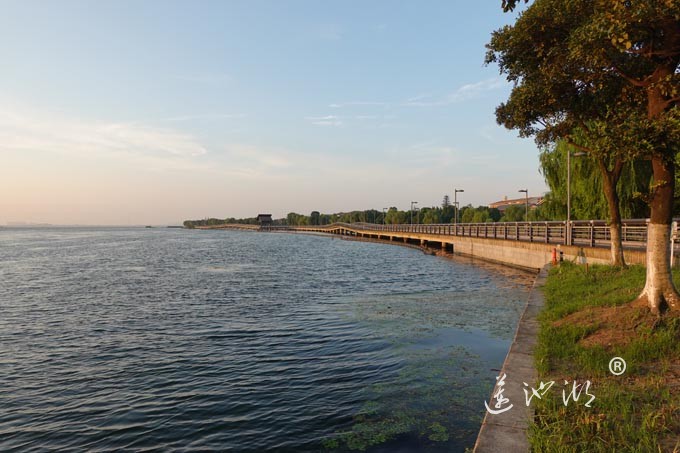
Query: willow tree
587	203
607	70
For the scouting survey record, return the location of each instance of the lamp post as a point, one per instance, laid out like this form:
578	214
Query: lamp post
455	202
569	154
412	203
526	204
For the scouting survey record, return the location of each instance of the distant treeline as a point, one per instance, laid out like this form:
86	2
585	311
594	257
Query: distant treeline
213	221
426	215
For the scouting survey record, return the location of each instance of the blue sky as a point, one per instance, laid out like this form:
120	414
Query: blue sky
153	112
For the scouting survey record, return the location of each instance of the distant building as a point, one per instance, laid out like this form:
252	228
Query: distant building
265	219
505	203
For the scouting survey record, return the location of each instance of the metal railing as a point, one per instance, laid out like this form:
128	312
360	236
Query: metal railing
590	233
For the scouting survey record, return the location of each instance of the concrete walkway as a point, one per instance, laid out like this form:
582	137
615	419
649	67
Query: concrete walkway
507	432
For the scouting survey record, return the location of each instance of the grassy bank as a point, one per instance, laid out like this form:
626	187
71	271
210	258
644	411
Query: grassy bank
587	320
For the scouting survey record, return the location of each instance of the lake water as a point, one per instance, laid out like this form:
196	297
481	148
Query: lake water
167	339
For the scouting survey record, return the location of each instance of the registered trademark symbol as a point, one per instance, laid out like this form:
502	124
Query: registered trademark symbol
617	366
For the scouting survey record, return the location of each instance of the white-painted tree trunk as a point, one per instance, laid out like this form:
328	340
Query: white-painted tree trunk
659	289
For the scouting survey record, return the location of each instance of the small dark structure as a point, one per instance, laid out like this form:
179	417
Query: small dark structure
265	220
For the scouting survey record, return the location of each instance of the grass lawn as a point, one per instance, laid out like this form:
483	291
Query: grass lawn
588	319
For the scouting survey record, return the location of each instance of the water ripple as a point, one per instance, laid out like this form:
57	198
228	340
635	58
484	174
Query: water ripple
155	340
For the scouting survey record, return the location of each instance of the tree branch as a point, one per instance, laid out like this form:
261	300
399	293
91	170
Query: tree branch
632	80
672	100
603	168
582	148
618	168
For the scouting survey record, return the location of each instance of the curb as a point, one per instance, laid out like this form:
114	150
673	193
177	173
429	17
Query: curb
507	432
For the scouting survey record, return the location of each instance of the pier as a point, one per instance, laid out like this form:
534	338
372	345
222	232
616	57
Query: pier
523	244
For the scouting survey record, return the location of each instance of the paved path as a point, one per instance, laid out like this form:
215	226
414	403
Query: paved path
507	432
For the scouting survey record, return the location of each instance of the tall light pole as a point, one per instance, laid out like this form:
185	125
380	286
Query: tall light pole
412	203
455	202
384	214
526	204
569	154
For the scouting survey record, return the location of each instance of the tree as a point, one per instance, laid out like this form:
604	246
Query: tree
314	218
587	203
447	214
395	216
509	5
494	214
551	100
514	213
467	214
605	72
430	215
446	202
481	216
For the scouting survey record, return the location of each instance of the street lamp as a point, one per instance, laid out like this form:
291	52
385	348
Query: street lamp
455	202
526	204
569	154
412	203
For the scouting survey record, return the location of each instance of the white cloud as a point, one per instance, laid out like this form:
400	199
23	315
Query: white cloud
419	97
205	116
258	159
327	123
357	103
321	118
473	90
328	120
463	93
53	133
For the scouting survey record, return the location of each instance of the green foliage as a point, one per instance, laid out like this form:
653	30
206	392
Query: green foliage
446	202
515	213
213	222
495	215
430	215
589	65
509	5
587	199
603	75
481	216
631	413
296	219
395	216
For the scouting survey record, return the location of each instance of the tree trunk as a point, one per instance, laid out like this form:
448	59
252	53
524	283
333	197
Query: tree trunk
616	244
610	179
659	292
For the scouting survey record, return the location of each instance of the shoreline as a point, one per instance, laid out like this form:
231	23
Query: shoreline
508	430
